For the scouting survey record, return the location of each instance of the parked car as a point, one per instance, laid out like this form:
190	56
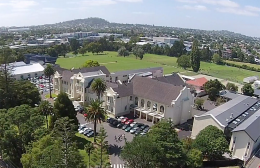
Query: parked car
138	131
124	120
128	128
146	129
125	126
129	121
132	124
120	125
113	123
83	130
142	134
108	120
81	127
87	131
133	130
120	118
144	126
90	134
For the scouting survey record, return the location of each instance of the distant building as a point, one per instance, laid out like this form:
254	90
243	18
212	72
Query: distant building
43	59
250	79
197	86
167	40
226	54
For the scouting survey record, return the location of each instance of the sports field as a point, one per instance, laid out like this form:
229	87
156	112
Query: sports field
115	63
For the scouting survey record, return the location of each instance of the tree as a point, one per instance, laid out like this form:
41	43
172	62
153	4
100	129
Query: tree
90	63
94	47
199	103
88	148
194	158
46	109
65	130
184	61
212	88
206	54
247	90
123	52
103	144
138	52
217	59
49	72
231	87
52	52
95	113
63	107
178	49
99	87
195	56
74	44
140	152
170	152
82	50
211	142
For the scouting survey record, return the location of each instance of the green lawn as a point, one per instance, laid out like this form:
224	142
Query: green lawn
95	155
115	63
52	94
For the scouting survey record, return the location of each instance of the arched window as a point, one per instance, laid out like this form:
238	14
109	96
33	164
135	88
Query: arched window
162	109
154	107
149	105
142	103
136	101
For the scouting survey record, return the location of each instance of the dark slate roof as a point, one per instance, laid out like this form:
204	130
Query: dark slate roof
67	74
112	85
136	71
251	126
173	79
124	90
229	95
57	67
155	90
235	107
257	92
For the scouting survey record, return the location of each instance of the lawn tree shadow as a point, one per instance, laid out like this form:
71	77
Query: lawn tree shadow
115	150
81	142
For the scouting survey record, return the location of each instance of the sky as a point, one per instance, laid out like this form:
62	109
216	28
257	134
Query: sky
241	16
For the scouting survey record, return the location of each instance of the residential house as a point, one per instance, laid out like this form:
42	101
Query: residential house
239	120
226	54
197	86
150	99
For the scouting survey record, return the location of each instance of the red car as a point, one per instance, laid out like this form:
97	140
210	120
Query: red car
124	120
129	121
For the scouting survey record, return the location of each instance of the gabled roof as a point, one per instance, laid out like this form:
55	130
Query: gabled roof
233	108
251	126
173	79
155	90
197	82
124	90
136	71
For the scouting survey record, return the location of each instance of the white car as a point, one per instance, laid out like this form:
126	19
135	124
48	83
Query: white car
133	130
120	118
83	130
131	125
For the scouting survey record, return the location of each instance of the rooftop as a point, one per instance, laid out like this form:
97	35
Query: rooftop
95	73
136	71
197	82
232	109
28	69
251	126
173	79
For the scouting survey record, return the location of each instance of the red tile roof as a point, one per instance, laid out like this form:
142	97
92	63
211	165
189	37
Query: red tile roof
197	82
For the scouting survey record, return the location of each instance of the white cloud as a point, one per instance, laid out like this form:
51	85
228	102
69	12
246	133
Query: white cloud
142	13
195	7
237	11
130	1
252	8
226	3
19	5
97	2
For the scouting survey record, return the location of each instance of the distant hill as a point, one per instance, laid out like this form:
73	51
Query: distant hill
89	21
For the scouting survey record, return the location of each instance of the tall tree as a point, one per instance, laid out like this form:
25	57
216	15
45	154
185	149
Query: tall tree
211	142
49	72
195	56
206	54
123	52
217	59
231	87
170	151
89	147
247	90
99	87
46	109
74	44
95	113
63	107
102	142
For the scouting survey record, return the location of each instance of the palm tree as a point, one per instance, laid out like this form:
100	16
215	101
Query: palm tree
46	109
88	148
99	86
95	113
49	71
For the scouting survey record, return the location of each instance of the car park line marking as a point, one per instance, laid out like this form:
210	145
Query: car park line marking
118	166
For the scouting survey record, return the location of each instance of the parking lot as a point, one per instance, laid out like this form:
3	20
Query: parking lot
42	83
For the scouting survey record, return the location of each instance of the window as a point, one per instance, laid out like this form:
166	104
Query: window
136	101
162	109
116	79
142	103
233	145
125	108
149	105
131	98
124	75
247	148
155	107
110	78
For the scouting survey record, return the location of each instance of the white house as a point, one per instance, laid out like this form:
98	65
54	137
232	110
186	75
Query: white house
239	120
150	99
